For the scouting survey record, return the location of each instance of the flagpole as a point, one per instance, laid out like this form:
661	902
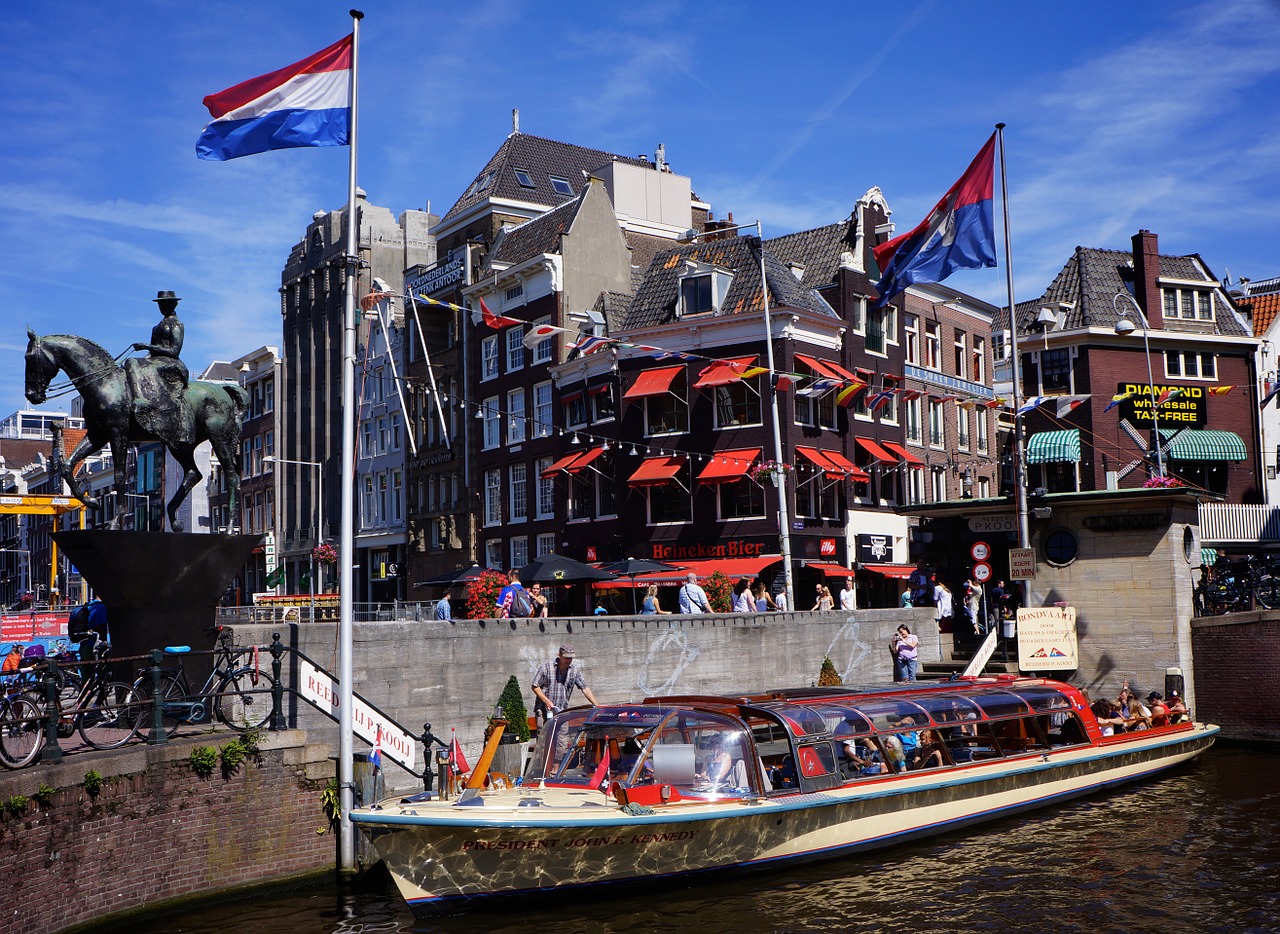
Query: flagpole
346	752
1019	466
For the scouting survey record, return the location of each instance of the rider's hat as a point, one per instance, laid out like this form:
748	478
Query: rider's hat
166	297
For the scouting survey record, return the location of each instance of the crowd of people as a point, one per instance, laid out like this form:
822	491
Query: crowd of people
1128	713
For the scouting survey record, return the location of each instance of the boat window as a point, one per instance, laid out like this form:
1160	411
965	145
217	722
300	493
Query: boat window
950	708
1000	703
816	759
1019	735
888	715
702	755
970	742
801	720
843	721
556	736
1063	728
1044	699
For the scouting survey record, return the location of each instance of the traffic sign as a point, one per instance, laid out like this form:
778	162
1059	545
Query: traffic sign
1022	564
982	572
980	551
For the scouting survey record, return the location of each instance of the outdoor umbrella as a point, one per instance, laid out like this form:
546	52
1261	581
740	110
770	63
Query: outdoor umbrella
631	567
461	575
557	569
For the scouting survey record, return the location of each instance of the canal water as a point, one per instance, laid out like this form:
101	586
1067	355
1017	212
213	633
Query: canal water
1193	851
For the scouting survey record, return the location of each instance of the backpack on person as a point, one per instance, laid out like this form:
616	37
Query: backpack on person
521	603
78	623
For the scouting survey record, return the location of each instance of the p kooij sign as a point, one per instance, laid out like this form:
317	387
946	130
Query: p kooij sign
321	691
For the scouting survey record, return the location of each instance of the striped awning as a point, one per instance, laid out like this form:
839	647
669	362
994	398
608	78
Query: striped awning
1205	444
1054	447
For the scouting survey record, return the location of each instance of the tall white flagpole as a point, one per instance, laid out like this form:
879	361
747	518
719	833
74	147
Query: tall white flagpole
1019	464
346	546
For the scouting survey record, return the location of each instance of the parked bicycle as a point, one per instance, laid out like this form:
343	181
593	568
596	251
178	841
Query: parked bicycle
103	712
238	694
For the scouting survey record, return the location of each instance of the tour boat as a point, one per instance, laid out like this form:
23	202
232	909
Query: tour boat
677	786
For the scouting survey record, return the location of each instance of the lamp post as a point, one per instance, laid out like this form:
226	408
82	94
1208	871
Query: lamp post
319	514
1125	327
779	478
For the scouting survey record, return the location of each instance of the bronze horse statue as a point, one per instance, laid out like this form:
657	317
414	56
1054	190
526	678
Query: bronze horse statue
217	409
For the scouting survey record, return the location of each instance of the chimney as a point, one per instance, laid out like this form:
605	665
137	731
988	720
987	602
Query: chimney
515	120
1146	275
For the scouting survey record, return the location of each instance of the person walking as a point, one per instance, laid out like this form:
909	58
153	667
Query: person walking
444	610
824	601
848	596
906	653
507	596
651	606
742	599
693	599
554	681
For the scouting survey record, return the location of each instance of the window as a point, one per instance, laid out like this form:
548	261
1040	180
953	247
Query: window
493	497
366	503
980	423
962	428
1190	365
695	295
888	406
493	554
911	335
875	330
514	292
932	345
269	395
542	350
561	186
519	495
937	424
519	551
978	360
515	416
1001	342
582	494
819	412
1188	304
546	544
960	349
670	503
667	412
818	498
1060	547
914	409
738	403
397	496
742	499
546	491
602	405
492	423
542	410
1055	370
489	357
575	408
938	479
515	349
524	178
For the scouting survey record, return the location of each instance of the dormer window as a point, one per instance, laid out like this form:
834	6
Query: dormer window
524	178
702	289
561	186
1188	304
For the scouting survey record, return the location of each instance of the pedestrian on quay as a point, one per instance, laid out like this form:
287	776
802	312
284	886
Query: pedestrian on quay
554	681
444	609
693	599
848	596
906	653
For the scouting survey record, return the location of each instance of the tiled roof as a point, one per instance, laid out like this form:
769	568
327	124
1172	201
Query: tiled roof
1089	282
1263	308
536	236
656	298
541	159
1261	286
818	249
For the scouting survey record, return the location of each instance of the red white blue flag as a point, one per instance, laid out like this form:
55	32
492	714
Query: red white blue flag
959	233
307	103
376	756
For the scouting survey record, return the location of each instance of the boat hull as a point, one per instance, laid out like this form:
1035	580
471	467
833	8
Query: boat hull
443	856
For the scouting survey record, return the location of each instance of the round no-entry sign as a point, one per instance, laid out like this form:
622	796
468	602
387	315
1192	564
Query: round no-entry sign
982	572
980	551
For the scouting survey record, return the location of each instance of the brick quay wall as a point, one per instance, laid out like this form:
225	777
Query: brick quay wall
1237	668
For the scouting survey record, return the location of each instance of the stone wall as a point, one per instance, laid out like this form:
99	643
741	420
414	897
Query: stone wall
155	830
1237	667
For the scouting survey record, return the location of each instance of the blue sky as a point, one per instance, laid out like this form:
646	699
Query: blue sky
1121	116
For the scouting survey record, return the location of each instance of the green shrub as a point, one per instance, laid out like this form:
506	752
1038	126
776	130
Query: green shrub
93	782
513	709
232	756
828	676
203	759
43	795
330	804
17	804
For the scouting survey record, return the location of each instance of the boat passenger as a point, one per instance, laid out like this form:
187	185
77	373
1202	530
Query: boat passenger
1136	716
859	759
1177	708
1109	720
910	740
717	765
1159	710
929	753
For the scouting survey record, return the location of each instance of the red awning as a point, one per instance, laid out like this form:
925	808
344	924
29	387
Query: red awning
874	449
903	453
653	382
562	464
835	465
586	457
732	568
724	372
821	367
844	374
728	466
900	571
656	471
832	570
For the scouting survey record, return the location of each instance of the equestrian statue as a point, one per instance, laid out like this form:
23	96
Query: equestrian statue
150	398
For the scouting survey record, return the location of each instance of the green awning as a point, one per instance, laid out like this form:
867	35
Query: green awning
1203	444
1052	447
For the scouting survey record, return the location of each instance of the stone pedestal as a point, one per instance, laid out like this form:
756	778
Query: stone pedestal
160	588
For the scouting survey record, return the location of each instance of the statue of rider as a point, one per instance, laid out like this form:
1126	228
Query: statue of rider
158	383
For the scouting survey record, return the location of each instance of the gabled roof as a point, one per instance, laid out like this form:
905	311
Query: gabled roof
818	249
1089	281
656	297
539	235
1263	308
541	159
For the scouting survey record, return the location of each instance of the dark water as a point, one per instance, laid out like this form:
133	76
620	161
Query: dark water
1194	851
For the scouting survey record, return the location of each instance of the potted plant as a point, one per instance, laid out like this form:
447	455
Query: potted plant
719	592
509	757
827	675
770	472
482	595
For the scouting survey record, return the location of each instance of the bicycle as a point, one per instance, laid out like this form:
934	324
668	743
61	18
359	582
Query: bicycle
21	728
103	712
238	694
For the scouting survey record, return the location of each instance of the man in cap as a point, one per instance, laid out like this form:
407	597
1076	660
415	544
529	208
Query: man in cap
554	681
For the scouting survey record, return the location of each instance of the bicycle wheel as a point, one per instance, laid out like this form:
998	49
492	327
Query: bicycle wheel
21	732
243	699
173	692
111	716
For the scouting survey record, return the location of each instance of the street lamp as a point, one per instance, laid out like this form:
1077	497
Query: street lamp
779	478
319	514
1125	327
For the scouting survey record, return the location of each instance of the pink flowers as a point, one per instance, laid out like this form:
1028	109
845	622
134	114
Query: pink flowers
1162	483
325	554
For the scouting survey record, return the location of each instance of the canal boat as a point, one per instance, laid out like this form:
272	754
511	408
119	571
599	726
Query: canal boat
680	786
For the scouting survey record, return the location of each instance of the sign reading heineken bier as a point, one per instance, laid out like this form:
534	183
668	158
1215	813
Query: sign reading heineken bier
1183	407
